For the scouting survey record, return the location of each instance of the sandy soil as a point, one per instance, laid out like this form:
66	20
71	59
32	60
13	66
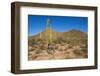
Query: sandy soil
55	51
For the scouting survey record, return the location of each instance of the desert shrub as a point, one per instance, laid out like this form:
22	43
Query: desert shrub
63	40
68	42
70	46
65	49
84	47
34	57
38	51
43	47
39	40
60	49
85	50
86	56
78	52
56	47
31	50
84	41
34	42
55	41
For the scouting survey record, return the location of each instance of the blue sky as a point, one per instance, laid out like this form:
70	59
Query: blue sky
37	23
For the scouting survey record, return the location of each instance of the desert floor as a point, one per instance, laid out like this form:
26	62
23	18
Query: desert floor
56	51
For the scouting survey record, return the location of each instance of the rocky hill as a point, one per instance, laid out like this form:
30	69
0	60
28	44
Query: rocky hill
50	36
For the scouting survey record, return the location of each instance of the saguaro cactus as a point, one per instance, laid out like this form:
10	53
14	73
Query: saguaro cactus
48	31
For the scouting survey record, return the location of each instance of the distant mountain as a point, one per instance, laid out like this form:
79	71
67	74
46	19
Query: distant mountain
49	34
75	34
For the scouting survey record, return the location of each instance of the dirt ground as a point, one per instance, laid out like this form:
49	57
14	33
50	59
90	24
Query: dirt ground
56	51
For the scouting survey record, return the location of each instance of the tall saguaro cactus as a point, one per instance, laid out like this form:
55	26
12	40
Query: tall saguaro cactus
48	30
47	34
